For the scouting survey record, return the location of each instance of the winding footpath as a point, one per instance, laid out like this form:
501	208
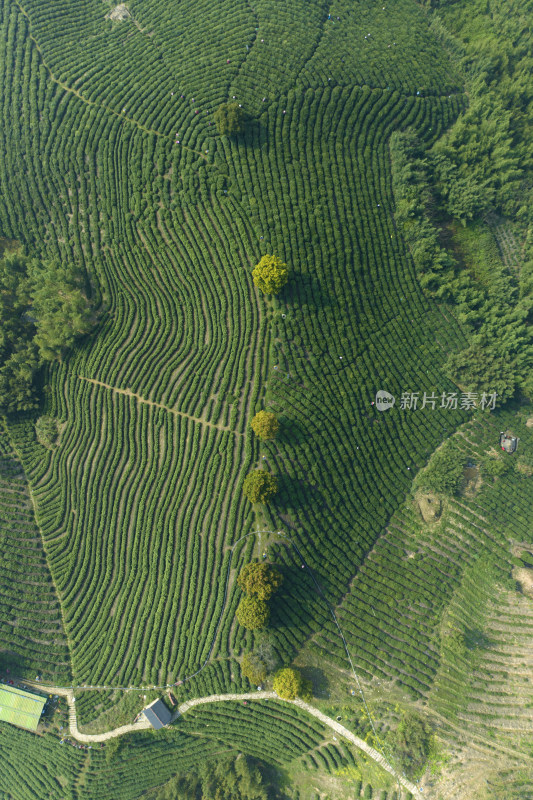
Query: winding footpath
140	725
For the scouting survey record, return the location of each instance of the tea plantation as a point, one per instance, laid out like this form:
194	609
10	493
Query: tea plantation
123	538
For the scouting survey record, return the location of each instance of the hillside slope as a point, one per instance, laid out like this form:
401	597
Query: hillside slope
112	162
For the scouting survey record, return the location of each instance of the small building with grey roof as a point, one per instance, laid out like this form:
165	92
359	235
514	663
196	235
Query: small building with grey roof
157	714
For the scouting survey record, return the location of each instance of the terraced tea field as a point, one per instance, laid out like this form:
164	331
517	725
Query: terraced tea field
113	164
419	583
141	499
30	616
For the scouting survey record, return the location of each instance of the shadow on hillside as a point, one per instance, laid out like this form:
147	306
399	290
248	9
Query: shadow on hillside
254	134
292	608
307	289
476	639
319	681
295	493
291	431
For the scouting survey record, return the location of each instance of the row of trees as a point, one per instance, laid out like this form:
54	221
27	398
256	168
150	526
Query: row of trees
270	276
258	582
288	682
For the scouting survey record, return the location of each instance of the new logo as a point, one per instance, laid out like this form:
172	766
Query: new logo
384	400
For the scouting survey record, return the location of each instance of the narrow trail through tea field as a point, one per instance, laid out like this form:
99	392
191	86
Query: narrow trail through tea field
143	400
78	94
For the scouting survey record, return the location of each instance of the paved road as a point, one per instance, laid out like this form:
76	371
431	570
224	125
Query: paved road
221	698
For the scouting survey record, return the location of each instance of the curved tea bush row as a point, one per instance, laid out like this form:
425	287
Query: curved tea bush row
393	614
32	764
137	505
342	328
219	49
135	538
275	732
278	733
30	617
168	347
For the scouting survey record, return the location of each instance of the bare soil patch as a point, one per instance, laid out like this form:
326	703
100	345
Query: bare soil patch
472	482
524	577
119	13
430	506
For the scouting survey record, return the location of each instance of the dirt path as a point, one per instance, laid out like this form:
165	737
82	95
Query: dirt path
222	698
140	399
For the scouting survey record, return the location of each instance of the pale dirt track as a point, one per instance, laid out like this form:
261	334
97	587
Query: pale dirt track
143	400
89	738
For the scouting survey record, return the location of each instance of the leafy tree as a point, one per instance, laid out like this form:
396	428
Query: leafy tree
253	668
444	473
260	580
476	161
42	311
271	274
289	684
412	743
17	372
46	431
252	613
61	309
481	367
234	778
466	198
259	486
494	467
265	425
229	118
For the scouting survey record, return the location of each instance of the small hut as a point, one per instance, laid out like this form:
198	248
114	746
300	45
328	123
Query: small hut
157	714
508	442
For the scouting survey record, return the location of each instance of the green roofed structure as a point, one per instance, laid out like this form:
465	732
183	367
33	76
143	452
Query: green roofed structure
20	707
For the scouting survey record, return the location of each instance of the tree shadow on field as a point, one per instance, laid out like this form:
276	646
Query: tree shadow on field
254	134
292	606
476	639
305	288
295	493
12	663
319	681
291	431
